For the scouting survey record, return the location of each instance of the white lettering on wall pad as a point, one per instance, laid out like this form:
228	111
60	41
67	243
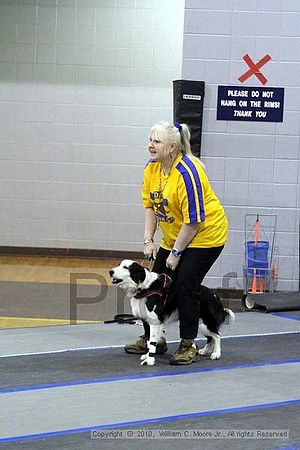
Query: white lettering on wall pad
191	97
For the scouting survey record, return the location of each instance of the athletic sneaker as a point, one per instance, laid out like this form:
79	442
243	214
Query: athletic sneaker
187	353
140	346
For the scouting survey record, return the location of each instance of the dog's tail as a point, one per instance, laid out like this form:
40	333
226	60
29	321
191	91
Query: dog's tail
229	316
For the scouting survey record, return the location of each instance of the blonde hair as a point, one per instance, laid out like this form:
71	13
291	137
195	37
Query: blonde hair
178	134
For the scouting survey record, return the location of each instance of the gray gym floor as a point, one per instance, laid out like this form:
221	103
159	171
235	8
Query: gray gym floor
69	387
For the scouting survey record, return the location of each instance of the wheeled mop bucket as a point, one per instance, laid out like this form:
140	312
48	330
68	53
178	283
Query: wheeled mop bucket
259	274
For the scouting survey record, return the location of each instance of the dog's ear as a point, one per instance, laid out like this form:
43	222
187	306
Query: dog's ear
137	273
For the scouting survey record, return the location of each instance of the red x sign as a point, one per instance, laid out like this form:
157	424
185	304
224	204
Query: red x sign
254	69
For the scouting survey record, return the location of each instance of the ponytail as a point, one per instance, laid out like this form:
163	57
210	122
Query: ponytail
185	148
185	136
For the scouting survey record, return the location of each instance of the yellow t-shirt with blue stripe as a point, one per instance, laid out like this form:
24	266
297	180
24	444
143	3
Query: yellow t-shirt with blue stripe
184	196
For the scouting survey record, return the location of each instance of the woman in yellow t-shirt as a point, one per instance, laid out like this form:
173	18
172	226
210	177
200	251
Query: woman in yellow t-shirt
178	197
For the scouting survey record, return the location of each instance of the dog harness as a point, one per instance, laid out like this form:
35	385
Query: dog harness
165	282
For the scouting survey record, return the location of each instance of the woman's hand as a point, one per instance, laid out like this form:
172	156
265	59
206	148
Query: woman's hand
150	251
172	261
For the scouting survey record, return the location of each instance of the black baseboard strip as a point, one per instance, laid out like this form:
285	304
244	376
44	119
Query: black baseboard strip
69	253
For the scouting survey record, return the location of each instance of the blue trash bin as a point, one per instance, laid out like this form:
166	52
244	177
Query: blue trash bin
257	258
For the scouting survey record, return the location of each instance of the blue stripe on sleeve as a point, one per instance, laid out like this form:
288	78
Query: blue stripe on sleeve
190	192
195	173
149	162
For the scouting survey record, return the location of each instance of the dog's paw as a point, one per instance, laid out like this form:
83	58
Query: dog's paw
144	357
205	351
147	360
215	355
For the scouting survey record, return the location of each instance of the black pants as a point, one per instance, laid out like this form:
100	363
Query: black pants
192	268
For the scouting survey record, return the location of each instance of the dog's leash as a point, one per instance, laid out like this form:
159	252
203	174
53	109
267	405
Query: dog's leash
123	318
147	263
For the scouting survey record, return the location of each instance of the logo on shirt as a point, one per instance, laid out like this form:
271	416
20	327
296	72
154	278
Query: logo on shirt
160	205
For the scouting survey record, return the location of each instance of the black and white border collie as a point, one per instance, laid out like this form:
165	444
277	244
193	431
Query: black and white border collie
149	301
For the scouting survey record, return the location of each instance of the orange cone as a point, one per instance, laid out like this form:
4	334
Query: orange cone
261	285
254	284
256	237
256	231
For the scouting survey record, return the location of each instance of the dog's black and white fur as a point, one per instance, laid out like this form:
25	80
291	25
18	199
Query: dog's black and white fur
148	292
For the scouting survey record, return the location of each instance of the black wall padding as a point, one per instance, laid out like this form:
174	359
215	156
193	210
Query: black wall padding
188	97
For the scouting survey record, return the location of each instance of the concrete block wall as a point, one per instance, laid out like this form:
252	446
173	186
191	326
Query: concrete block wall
81	82
253	166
